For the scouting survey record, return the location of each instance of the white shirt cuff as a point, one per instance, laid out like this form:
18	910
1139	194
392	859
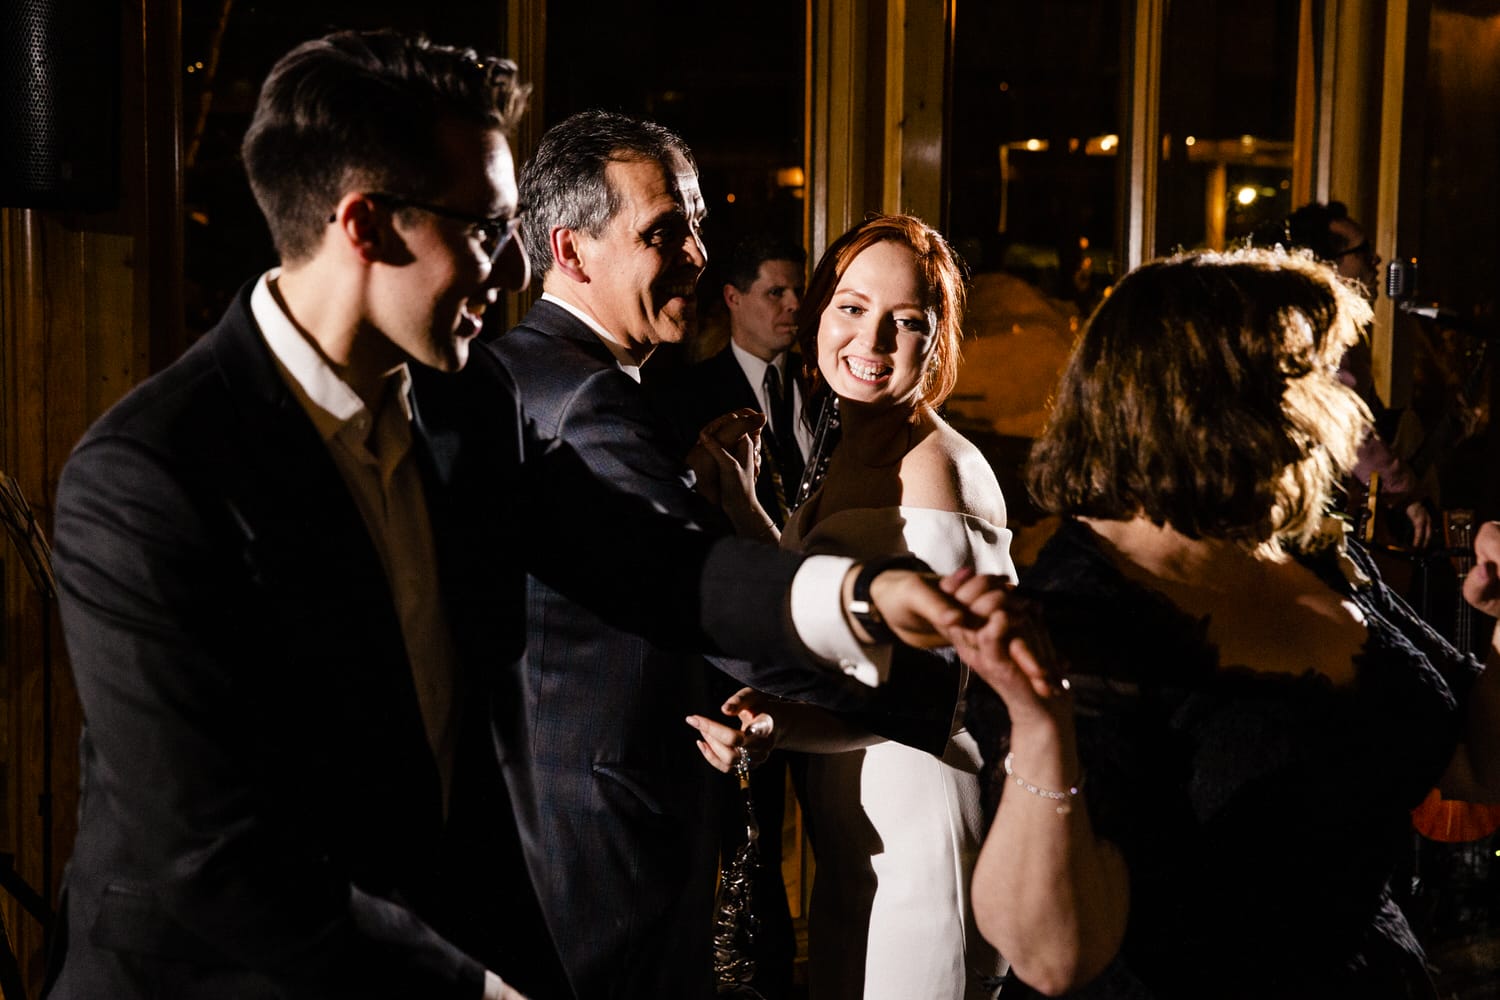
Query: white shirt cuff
818	616
494	986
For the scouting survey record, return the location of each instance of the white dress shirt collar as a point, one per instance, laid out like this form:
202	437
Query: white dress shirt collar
622	357
331	403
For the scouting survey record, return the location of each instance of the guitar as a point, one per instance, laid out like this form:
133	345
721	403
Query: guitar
1452	821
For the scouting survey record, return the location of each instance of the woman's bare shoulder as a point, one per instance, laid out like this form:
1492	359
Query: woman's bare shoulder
945	471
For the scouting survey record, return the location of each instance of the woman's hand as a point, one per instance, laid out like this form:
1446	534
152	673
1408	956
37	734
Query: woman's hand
720	744
726	461
1010	649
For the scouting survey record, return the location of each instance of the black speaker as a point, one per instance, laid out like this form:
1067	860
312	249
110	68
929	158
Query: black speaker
60	104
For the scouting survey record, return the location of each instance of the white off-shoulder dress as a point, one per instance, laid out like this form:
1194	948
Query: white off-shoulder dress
896	831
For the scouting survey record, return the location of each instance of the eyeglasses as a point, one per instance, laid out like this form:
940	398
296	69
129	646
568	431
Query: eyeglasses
494	234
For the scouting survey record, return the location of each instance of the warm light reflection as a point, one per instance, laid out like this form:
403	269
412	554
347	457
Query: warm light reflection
790	177
1035	144
1191	140
1102	145
1246	195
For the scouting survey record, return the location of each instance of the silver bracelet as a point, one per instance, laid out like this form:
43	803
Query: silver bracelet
1064	800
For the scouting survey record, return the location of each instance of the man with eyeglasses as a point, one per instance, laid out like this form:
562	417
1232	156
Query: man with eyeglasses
291	564
1335	238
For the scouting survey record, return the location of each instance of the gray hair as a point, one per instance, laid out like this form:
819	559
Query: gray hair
565	186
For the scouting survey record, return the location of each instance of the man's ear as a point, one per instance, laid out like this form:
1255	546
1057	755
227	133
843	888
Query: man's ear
363	226
569	254
731	295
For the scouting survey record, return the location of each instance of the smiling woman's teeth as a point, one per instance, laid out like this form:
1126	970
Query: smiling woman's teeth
864	370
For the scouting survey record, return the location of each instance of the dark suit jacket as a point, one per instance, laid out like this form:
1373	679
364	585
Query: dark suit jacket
616	804
261	815
709	389
260	812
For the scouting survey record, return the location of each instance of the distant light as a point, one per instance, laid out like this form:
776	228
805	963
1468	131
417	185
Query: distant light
791	177
1191	140
1035	144
1246	195
199	64
191	67
1285	184
1247	140
1083	242
199	217
729	197
1072	145
1102	145
1004	86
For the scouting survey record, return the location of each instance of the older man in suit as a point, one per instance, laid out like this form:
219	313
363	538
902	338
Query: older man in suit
290	565
622	811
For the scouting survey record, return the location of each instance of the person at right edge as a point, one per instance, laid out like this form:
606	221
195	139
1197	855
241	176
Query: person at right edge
1326	231
1219	717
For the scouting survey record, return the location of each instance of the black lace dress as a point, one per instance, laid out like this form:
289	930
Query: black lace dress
1261	816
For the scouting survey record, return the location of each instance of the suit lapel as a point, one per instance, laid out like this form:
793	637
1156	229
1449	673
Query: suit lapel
305	539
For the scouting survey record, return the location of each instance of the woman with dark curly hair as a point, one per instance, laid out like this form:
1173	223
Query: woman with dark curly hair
1214	752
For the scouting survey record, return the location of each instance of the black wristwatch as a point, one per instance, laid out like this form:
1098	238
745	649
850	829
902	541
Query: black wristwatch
863	609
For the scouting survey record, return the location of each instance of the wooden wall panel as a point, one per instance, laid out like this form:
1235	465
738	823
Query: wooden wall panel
88	304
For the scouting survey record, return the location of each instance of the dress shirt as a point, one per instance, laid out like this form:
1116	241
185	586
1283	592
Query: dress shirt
622	357
373	453
755	371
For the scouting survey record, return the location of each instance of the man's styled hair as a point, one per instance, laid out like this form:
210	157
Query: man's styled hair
565	186
1308	228
362	110
1203	395
942	274
753	251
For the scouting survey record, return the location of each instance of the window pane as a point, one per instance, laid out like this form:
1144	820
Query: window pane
1228	102
1033	201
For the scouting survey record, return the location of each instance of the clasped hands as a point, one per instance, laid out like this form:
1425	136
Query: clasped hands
726	461
994	630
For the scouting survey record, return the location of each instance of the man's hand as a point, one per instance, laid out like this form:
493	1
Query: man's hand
914	606
1421	524
1482	585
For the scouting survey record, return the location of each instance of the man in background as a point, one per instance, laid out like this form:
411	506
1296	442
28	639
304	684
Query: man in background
758	368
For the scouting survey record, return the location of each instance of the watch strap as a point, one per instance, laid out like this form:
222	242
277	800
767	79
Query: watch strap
863	609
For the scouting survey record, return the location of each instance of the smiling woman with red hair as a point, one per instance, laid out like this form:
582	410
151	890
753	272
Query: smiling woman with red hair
895	830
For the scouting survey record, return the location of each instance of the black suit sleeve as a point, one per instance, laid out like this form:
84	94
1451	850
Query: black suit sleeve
151	604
